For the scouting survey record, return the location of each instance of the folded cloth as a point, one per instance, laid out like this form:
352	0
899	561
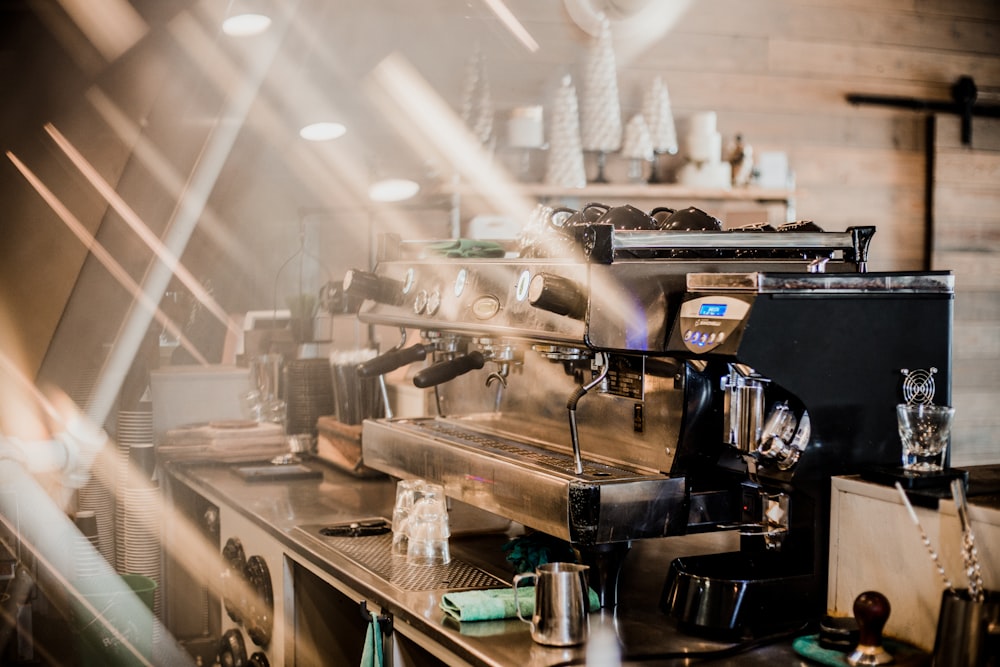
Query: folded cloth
371	654
467	248
495	603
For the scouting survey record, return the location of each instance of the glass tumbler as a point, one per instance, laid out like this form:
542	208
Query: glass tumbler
924	431
427	528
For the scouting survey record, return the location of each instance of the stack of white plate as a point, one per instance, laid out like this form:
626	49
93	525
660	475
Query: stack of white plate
87	560
134	429
97	496
82	389
140	539
137	516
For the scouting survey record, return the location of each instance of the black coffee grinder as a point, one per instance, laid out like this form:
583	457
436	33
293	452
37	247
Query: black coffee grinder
792	379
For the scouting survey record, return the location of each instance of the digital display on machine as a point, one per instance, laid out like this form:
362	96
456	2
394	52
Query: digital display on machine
712	310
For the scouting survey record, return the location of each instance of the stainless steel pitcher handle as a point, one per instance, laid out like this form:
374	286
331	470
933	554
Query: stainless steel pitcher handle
517	604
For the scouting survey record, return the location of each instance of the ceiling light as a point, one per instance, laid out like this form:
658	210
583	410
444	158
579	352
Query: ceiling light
322	131
393	189
246	25
246	18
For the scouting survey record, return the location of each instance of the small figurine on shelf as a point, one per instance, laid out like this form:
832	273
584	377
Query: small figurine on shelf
741	159
638	147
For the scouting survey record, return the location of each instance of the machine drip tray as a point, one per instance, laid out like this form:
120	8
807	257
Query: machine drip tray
734	595
374	554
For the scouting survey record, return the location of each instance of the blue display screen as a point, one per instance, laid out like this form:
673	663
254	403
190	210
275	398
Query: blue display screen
712	310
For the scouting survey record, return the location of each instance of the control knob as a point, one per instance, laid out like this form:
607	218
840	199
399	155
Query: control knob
558	295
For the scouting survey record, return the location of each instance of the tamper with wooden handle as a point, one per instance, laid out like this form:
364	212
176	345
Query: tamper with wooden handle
871	609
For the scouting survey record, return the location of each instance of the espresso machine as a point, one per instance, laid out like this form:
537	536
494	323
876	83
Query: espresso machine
623	375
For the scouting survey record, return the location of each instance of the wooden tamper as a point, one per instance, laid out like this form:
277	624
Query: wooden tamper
871	609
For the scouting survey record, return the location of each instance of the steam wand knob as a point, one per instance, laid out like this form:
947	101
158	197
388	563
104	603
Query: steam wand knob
871	609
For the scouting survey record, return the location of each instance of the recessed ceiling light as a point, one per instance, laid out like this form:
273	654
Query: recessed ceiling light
323	131
246	25
393	189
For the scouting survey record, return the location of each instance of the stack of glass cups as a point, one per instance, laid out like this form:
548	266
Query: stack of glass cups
420	529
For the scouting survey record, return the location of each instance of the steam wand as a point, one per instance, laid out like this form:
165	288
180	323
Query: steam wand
923	537
571	406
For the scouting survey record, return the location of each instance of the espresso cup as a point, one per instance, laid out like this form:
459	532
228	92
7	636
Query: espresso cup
561	604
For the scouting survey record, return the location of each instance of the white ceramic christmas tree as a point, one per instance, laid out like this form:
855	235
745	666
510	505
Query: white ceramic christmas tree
565	164
477	102
660	119
637	146
601	115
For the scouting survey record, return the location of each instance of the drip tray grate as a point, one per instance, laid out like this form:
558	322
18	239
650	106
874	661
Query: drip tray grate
374	554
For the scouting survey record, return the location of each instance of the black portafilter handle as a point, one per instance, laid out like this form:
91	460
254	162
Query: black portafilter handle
448	370
871	610
391	360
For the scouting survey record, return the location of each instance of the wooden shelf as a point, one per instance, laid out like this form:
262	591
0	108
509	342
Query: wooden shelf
671	191
740	205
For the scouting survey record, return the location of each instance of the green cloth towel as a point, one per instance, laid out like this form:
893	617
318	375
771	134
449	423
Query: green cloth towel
496	603
467	248
904	654
371	654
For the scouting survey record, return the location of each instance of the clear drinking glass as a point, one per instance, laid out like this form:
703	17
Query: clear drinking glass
427	528
924	431
407	491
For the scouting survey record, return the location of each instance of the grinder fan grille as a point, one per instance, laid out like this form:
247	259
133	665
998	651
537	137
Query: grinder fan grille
918	386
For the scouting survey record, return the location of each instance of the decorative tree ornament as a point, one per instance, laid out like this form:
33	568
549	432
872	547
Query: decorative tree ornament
660	119
477	102
601	116
565	164
637	147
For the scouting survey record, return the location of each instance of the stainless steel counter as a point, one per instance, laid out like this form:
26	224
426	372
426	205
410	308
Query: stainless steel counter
282	508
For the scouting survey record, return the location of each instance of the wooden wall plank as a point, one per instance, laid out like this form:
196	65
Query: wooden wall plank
848	166
978	305
974	270
876	22
960	232
880	61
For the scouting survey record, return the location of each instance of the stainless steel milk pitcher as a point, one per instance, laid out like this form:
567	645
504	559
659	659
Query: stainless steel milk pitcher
561	604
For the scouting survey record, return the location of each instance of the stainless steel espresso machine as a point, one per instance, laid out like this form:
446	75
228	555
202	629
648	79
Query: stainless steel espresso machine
623	375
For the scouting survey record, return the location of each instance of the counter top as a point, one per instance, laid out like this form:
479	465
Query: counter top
280	508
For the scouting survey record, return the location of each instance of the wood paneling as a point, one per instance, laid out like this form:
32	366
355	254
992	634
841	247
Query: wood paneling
967	240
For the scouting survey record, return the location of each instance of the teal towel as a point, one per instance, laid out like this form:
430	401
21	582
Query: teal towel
467	248
371	655
494	604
